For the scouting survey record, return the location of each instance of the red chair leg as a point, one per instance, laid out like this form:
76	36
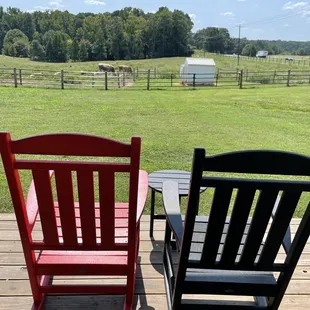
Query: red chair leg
131	277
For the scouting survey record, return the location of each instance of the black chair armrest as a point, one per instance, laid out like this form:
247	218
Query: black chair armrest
171	200
287	240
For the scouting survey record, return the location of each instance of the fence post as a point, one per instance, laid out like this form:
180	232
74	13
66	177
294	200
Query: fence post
240	79
93	80
171	79
118	81
134	75
194	80
274	76
217	78
288	78
137	73
124	79
62	79
15	77
106	80
20	77
148	79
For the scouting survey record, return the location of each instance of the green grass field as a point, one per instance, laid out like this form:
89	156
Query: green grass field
162	65
171	123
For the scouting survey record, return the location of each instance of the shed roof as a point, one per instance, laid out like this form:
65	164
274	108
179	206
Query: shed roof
200	61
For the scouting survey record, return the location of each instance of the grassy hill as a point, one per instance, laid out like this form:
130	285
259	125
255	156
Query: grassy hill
163	65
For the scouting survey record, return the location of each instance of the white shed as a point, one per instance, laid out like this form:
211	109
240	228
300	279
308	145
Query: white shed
203	68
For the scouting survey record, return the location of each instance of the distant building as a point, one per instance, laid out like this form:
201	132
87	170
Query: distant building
262	54
203	68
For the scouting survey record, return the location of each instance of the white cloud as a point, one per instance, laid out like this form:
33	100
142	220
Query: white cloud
53	5
228	14
41	8
94	2
241	0
57	4
292	6
298	8
192	16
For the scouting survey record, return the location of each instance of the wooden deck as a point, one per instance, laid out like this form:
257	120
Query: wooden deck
150	291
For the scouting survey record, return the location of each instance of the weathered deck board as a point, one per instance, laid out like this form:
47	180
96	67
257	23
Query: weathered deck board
150	291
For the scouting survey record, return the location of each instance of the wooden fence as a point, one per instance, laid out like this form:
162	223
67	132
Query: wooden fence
276	59
148	79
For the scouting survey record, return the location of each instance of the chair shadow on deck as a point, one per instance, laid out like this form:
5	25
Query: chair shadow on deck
156	255
110	302
142	296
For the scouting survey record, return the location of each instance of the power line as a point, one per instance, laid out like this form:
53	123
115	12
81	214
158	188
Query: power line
278	17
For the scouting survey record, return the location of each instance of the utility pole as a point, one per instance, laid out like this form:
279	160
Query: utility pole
239	44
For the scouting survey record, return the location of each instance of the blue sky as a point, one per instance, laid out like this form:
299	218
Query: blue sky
261	19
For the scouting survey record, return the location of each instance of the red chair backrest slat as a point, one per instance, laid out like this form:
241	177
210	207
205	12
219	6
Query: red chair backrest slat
61	226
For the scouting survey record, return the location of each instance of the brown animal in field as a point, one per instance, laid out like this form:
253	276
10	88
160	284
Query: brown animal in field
106	68
126	69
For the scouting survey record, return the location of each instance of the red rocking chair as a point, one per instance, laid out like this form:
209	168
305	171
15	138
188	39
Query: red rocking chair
84	237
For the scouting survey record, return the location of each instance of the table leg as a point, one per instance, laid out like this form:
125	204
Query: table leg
152	213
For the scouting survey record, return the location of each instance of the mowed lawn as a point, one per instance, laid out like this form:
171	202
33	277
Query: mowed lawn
171	123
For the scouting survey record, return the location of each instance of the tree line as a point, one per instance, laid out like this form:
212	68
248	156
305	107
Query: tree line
218	40
129	33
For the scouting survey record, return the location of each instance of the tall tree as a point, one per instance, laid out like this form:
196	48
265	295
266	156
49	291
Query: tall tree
83	50
19	40
75	50
36	51
249	50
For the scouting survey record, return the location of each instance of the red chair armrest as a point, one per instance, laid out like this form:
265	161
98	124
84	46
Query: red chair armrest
32	204
142	193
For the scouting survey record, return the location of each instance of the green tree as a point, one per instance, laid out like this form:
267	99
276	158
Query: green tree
249	50
27	25
11	51
22	48
182	26
20	42
301	52
57	47
36	51
83	50
118	41
37	36
75	50
60	46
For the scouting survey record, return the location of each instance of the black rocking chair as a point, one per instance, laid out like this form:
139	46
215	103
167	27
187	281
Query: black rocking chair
253	257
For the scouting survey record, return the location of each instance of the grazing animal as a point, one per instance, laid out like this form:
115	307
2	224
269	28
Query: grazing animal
126	69
106	68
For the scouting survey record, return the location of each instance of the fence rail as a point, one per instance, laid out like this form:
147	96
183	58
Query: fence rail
147	79
277	59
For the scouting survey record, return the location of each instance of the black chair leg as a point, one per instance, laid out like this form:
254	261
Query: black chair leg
152	213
